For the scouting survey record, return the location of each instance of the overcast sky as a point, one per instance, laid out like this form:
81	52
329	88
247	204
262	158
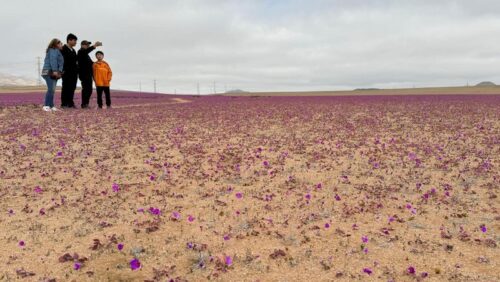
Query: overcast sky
259	45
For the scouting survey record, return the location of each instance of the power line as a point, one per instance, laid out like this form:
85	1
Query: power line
39	60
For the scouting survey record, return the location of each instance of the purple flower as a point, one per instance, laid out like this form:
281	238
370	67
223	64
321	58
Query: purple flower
229	260
367	271
77	266
190	218
154	211
38	190
266	163
424	274
239	195
391	219
42	211
337	197
135	264
327	225
189	245
308	196
152	177
22	244
59	154
412	156
318	186
226	237
364	239
120	246
483	228
176	215
411	270
11	212
115	187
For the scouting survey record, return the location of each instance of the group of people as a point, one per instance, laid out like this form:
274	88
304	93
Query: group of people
62	61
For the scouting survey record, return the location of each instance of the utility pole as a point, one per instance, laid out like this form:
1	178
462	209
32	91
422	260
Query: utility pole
225	88
140	87
215	88
154	85
39	70
198	88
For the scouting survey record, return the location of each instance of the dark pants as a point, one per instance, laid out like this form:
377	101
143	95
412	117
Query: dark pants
68	89
86	91
100	89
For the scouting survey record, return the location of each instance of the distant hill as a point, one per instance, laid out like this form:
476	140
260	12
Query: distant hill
12	80
235	91
486	84
366	89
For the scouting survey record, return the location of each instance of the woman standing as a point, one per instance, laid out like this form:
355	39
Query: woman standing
52	71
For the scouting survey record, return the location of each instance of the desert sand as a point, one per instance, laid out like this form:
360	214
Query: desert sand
183	188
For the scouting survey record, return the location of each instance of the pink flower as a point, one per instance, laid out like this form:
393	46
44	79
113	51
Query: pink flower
364	239
190	218
115	187
38	190
229	260
239	195
22	244
176	215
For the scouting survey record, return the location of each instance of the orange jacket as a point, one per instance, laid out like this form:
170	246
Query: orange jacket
102	73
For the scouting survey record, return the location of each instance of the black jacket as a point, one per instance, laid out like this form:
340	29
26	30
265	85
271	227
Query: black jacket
85	63
70	61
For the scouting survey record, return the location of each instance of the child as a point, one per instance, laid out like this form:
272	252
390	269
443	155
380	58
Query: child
102	77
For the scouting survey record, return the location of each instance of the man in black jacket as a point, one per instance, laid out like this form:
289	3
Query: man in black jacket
70	72
85	70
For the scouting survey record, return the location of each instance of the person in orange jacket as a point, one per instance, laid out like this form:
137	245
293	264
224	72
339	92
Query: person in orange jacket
102	78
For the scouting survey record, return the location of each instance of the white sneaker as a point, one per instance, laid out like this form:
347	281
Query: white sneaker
46	108
54	109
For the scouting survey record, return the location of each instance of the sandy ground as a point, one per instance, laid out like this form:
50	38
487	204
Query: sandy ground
252	189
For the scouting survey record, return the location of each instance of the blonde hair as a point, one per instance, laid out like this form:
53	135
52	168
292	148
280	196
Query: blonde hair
53	44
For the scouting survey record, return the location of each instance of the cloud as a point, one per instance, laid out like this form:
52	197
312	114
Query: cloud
266	45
